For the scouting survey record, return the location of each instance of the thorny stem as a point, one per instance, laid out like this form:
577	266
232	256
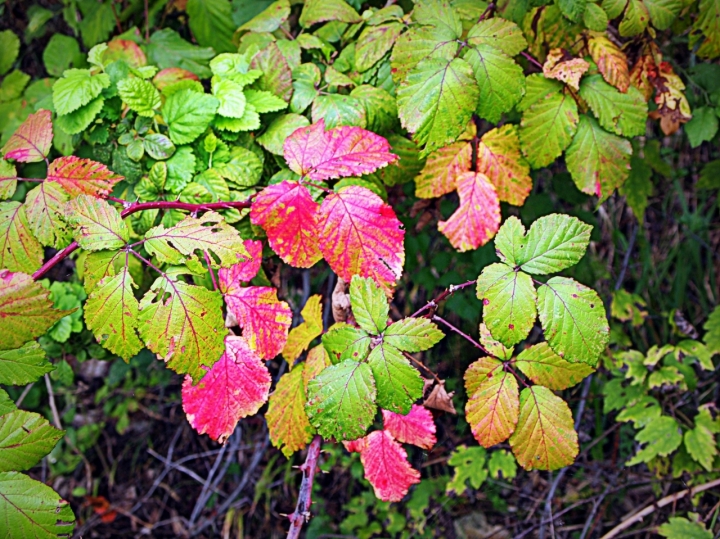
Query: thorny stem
302	509
433	303
134	207
531	59
472	341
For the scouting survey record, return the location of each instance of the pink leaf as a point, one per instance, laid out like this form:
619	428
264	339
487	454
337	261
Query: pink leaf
242	271
344	151
387	467
417	427
289	216
361	235
477	219
82	176
264	319
171	75
236	386
355	446
32	140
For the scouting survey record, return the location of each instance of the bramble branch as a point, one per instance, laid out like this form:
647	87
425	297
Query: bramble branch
302	509
433	303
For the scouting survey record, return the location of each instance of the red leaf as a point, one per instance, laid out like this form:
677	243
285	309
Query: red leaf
387	467
289	216
32	140
355	446
82	176
242	271
171	75
236	386
360	235
264	319
344	151
417	427
477	219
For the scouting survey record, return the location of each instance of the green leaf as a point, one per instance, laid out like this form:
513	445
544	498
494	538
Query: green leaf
277	75
398	383
23	365
510	241
60	53
508	298
547	128
315	11
598	161
208	233
682	528
78	121
99	225
31	509
139	95
346	342
469	464
624	114
243	169
573	319
537	87
437	100
167	49
638	187
500	79
702	127
494	347
369	304
663	12
545	438
500	33
19	250
374	42
502	462
306	78
231	98
337	110
712	331
25	438
572	9
270	19
188	114
158	147
8	179
544	367
380	107
13	85
341	400
700	441
595	17
211	23
662	436
183	324
438	13
111	313
10	45
636	19
77	88
263	101
554	242
280	129
180	169
6	405
97	22
419	44
413	334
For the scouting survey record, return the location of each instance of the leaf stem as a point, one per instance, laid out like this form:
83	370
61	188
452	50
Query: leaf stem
423	366
472	341
302	509
433	303
210	269
531	59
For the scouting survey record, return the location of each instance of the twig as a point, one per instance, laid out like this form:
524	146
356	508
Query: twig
423	367
626	259
210	269
667	500
183	469
162	475
433	303
472	341
24	393
53	407
302	509
531	59
591	517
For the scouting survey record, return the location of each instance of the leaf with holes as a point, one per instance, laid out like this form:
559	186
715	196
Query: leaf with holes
302	335
289	216
183	324
492	409
546	368
82	176
341	400
25	438
288	424
343	151
234	387
111	313
442	169
573	319
477	219
32	140
23	365
245	270
416	427
19	250
561	66
413	334
264	319
500	159
554	242
386	467
360	235
545	438
98	225
398	383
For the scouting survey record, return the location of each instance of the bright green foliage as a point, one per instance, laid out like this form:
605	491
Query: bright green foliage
702	127
700	441
167	49
33	509
188	114
547	128
624	114
77	88
10	45
398	383
662	436
369	305
712	332
554	242
346	342
682	528
211	23
413	334
23	365
25	438
499	78
140	95
502	464
470	465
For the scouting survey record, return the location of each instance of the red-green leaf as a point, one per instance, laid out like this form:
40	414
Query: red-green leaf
387	467
235	387
82	176
289	216
360	235
19	250
32	140
8	179
499	158
242	271
264	319
26	311
545	367
45	209
417	427
288	424
302	335
442	169
477	219
492	410
344	151
545	438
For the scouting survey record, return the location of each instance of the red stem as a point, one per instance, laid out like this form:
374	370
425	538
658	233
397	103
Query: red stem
472	341
433	303
135	207
302	509
531	59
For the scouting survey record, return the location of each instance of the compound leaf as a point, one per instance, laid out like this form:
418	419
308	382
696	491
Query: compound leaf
288	424
79	176
553	243
303	334
544	367
387	467
510	241
346	342
25	438
662	436
32	140
398	383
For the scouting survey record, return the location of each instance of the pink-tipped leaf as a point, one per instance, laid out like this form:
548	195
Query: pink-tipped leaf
82	176
244	270
31	141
